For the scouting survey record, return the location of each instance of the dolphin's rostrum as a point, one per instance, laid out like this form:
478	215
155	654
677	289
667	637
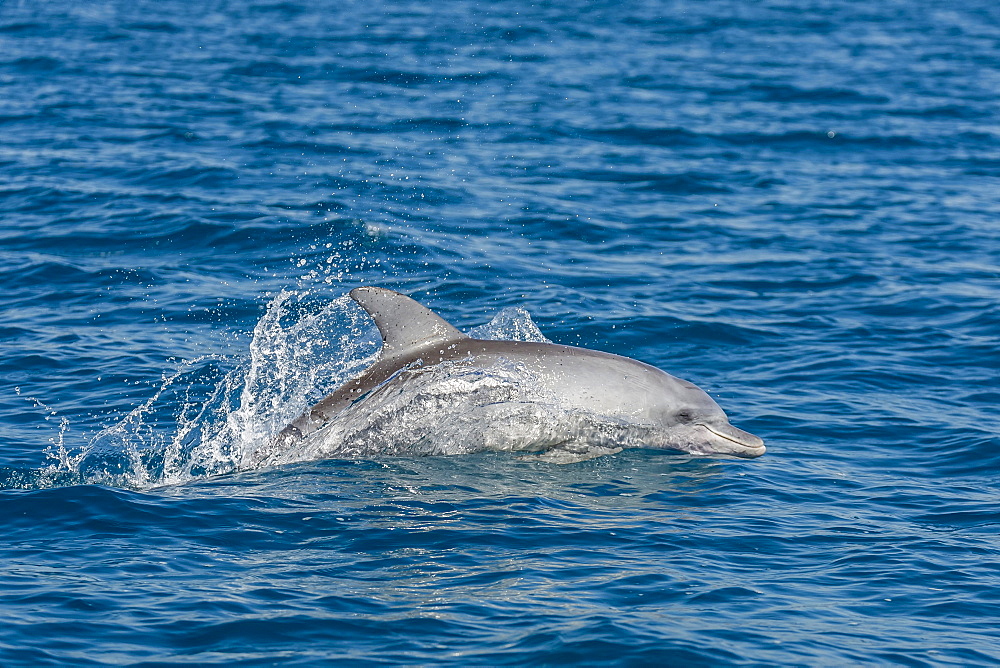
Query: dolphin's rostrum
435	390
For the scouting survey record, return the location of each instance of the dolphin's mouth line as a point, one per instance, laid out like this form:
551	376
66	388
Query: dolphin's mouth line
731	438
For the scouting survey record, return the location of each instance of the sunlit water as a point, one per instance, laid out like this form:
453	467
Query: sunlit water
794	205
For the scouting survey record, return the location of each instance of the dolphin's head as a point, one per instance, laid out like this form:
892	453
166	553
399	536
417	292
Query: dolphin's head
691	421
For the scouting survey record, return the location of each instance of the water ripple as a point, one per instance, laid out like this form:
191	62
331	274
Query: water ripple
793	205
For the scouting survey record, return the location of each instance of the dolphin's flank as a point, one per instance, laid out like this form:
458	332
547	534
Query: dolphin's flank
435	390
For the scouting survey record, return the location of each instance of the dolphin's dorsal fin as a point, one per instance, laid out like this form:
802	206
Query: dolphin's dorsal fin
404	324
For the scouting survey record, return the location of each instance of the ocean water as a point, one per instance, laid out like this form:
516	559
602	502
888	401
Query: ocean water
795	205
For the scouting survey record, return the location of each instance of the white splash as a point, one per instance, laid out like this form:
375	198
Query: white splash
211	414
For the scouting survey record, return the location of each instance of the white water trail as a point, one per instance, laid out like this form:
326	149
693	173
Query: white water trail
210	414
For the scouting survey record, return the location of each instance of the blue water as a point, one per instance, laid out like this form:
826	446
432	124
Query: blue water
795	205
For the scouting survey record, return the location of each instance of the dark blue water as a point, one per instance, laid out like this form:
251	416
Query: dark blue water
794	204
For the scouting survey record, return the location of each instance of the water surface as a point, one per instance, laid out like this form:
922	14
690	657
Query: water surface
793	205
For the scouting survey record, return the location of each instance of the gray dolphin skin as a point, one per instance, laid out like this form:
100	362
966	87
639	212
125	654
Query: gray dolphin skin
606	401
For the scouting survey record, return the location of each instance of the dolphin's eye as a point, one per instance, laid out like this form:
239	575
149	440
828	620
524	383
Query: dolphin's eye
684	416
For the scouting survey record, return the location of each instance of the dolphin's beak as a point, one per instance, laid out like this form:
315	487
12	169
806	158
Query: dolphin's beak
737	442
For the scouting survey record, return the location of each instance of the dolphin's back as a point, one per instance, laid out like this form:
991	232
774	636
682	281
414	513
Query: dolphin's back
589	380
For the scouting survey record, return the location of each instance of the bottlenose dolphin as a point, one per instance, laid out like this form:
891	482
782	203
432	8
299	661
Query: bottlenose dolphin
560	403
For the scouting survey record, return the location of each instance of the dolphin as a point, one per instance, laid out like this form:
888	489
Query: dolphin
558	403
